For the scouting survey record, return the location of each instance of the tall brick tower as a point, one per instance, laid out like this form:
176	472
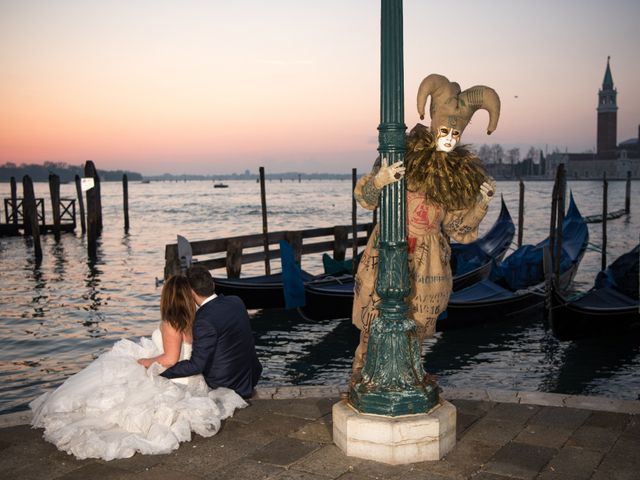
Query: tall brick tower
607	115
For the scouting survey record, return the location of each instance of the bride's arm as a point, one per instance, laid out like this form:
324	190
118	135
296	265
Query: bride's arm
171	344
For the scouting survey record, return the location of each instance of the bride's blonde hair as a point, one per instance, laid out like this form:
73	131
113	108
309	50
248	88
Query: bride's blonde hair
177	306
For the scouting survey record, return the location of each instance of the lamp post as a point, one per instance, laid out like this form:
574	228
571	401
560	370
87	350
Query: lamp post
393	380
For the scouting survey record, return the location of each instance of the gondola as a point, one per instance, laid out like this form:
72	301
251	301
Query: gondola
611	307
330	298
515	287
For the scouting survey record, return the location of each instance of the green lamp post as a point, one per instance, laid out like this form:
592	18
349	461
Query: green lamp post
393	379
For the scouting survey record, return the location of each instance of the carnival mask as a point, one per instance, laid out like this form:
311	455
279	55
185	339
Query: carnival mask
447	139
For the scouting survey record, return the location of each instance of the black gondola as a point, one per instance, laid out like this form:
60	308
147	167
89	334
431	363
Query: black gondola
330	298
516	286
611	307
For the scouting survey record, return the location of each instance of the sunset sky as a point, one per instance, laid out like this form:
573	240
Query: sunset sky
213	86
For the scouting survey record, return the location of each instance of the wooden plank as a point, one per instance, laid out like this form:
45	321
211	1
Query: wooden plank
234	258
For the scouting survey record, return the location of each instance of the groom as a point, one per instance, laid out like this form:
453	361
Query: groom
223	350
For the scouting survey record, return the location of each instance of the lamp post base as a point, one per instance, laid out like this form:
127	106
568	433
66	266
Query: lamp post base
395	440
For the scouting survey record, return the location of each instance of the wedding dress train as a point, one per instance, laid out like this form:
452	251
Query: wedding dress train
115	407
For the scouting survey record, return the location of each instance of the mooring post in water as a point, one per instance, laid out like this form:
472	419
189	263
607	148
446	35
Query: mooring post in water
605	207
54	190
562	186
627	196
93	195
265	230
520	213
125	201
30	216
14	201
83	223
552	221
354	218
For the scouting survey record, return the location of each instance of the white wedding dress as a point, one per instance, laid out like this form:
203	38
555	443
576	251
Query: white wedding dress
115	407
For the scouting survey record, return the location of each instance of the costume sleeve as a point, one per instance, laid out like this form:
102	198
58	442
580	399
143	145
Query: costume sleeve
365	192
462	225
205	340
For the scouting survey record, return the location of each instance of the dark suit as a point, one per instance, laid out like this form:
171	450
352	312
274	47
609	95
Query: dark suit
223	349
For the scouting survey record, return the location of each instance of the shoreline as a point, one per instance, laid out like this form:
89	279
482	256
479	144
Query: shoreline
584	402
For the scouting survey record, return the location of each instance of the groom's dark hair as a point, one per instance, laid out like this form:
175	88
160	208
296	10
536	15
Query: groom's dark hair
200	281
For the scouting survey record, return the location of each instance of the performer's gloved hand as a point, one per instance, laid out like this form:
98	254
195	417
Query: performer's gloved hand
487	191
388	173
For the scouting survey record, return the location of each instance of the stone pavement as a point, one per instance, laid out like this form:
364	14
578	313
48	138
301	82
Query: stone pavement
286	434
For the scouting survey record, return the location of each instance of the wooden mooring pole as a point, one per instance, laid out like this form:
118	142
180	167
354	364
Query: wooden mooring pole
605	207
520	213
265	230
627	196
14	201
562	187
30	216
354	219
93	207
125	201
83	223
54	190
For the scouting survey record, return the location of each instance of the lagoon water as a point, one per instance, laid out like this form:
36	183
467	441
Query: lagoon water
58	316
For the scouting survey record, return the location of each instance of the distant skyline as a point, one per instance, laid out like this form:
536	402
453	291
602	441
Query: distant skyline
205	87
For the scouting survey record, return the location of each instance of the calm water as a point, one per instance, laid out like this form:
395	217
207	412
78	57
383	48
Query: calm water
55	318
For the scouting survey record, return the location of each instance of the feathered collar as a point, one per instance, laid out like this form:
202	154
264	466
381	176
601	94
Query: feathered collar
451	180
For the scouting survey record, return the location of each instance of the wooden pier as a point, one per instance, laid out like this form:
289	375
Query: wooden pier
335	239
14	216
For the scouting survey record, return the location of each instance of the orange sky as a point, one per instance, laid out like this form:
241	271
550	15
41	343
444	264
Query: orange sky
206	87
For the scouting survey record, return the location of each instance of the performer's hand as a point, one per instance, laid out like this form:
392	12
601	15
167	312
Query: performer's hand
487	191
388	173
145	362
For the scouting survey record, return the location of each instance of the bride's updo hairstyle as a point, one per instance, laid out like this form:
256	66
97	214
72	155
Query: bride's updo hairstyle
177	306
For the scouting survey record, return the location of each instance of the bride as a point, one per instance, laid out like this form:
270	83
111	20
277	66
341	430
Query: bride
116	406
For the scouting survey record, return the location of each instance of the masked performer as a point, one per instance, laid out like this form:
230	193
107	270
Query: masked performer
447	195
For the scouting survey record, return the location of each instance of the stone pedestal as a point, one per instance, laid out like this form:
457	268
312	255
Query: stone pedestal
395	440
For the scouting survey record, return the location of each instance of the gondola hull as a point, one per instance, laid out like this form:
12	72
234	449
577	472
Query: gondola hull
334	299
571	321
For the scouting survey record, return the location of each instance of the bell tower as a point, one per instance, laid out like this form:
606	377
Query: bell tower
607	114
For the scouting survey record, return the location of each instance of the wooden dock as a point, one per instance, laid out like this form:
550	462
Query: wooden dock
231	253
14	216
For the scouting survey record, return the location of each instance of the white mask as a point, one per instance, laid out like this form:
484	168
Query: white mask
447	139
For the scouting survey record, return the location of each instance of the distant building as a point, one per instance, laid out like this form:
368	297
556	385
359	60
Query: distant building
611	158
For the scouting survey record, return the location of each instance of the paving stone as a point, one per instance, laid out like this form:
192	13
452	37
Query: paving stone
512	412
561	417
258	408
575	461
275	424
503	396
204	455
96	470
609	420
246	469
626	445
310	409
463	422
603	404
594	438
328	460
245	432
490	476
284	451
372	470
473	407
492	432
298	475
550	475
618	468
466	458
156	473
465	393
138	463
544	435
542	398
520	460
419	475
320	431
